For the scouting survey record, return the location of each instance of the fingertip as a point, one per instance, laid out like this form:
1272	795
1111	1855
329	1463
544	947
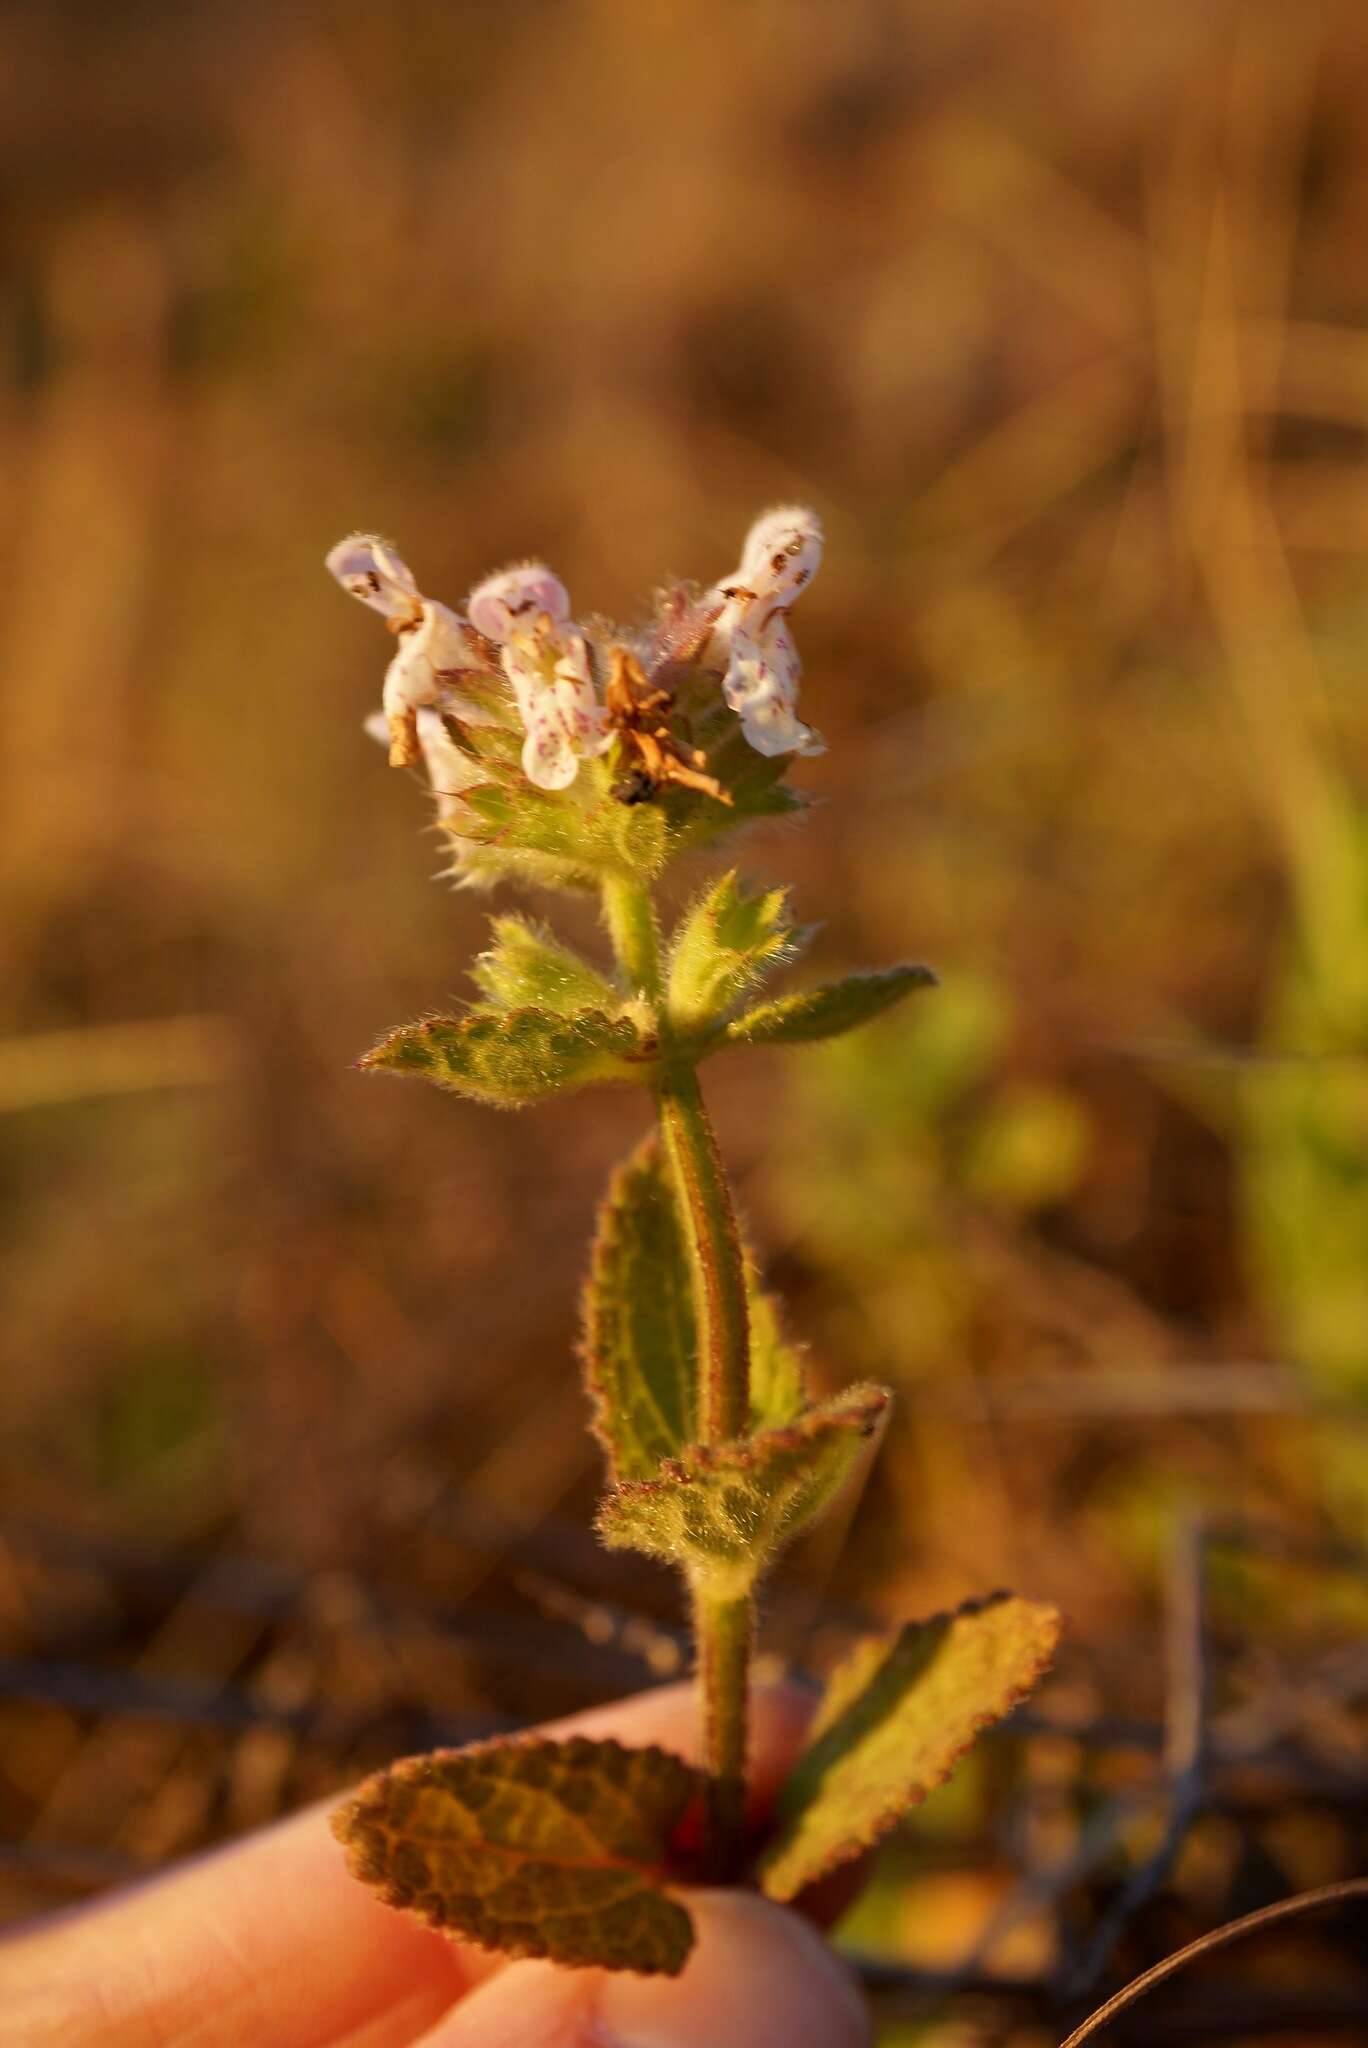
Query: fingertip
758	1975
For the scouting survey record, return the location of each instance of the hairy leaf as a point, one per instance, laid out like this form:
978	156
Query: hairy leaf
533	1848
640	1339
724	1512
827	1011
639	1345
778	1384
520	1056
726	944
896	1718
527	967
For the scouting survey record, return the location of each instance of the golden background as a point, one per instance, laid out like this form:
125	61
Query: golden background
1057	313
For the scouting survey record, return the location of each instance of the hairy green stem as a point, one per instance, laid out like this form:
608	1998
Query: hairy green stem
714	1248
722	1627
722	1633
630	917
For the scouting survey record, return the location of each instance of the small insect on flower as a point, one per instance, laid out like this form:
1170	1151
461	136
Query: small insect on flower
781	555
639	715
436	648
525	610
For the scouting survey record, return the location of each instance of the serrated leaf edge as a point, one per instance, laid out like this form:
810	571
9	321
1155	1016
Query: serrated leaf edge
656	1877
495	1024
862	1409
875	1831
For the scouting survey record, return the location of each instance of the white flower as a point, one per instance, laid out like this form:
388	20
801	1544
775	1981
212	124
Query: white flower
434	644
780	556
526	610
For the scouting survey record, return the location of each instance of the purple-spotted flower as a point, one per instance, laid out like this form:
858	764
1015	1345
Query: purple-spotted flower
781	555
526	612
435	646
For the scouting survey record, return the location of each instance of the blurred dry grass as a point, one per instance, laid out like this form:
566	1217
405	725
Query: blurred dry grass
1059	316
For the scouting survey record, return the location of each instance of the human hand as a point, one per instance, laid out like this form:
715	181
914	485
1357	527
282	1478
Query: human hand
269	1943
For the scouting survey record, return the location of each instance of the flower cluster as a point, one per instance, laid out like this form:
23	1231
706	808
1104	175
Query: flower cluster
516	652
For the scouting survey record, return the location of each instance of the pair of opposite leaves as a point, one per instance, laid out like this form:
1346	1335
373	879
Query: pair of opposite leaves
572	1850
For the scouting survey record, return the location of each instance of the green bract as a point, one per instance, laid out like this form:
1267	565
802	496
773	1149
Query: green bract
725	945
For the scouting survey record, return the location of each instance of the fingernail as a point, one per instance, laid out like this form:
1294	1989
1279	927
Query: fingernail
758	1975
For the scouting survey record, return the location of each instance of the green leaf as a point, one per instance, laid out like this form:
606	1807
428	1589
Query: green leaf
551	1849
516	1057
725	946
896	1718
527	967
640	1339
827	1011
640	1344
778	1384
724	1512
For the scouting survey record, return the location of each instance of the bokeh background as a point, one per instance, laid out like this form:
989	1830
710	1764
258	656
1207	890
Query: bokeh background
1059	314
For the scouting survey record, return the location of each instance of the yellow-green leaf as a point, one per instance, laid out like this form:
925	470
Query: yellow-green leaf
723	1512
727	943
827	1011
778	1385
525	966
520	1056
896	1718
552	1849
640	1342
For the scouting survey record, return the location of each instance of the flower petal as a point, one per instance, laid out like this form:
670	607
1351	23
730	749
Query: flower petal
781	554
368	568
761	686
548	758
512	599
450	771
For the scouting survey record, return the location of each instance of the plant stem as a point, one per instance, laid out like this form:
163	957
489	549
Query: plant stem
722	1635
714	1247
631	920
722	1626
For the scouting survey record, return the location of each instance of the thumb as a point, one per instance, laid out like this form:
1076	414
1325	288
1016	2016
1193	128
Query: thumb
758	1975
